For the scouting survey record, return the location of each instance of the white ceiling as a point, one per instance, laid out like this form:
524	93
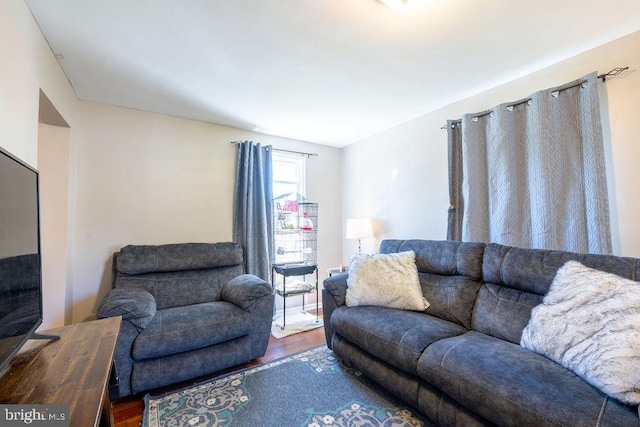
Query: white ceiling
326	71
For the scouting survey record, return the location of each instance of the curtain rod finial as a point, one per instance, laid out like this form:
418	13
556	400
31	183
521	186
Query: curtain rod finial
613	72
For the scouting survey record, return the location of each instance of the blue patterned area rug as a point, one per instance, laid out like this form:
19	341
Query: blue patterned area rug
307	389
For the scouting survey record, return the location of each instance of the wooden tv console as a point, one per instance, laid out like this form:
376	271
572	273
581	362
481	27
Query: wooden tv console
73	370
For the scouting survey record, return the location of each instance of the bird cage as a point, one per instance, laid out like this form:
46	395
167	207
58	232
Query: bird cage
295	230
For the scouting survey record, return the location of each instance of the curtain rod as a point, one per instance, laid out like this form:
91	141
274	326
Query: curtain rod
582	83
515	104
302	153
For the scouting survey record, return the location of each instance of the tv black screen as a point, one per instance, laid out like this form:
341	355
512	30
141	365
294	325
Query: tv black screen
20	259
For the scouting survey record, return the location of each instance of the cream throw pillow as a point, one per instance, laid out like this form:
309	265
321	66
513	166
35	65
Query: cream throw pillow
589	322
387	280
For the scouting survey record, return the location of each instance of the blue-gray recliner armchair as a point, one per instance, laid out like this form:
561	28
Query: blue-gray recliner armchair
187	310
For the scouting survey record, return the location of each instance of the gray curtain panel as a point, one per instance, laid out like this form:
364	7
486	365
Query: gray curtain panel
456	204
532	172
253	207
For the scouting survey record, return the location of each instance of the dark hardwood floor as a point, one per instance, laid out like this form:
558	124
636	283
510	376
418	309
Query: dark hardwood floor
128	412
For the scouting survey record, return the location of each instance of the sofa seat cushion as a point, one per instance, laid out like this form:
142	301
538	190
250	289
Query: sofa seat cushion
509	385
178	329
397	337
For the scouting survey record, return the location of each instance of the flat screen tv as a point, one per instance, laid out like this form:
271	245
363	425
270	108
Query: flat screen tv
20	258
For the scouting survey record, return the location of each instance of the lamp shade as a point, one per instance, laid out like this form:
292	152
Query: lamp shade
359	228
397	4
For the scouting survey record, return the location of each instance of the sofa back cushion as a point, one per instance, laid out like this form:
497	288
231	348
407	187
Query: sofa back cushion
449	274
516	280
178	274
139	259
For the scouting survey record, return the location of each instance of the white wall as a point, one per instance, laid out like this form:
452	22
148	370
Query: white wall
399	177
19	81
146	178
29	65
54	145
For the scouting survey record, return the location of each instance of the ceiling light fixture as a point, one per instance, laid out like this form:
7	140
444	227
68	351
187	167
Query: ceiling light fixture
397	4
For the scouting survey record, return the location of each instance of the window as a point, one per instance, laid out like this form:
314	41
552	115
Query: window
288	173
288	185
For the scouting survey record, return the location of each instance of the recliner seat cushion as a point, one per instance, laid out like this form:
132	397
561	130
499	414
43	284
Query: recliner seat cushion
511	386
396	337
179	329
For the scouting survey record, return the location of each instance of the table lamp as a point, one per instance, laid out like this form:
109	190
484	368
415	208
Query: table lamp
359	228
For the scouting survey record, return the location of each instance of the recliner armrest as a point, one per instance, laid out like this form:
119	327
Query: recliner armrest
245	290
135	305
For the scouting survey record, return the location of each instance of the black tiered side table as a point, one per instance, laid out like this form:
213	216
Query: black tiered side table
290	270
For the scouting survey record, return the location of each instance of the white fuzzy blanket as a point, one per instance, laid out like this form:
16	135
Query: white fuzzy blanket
589	322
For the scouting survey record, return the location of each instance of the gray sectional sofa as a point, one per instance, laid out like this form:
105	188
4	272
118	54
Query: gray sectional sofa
187	310
460	362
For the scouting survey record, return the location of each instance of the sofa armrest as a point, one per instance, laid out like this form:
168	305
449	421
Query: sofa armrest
334	291
245	290
136	306
336	286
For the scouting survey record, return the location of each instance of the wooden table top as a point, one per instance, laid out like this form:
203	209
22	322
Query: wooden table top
73	370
